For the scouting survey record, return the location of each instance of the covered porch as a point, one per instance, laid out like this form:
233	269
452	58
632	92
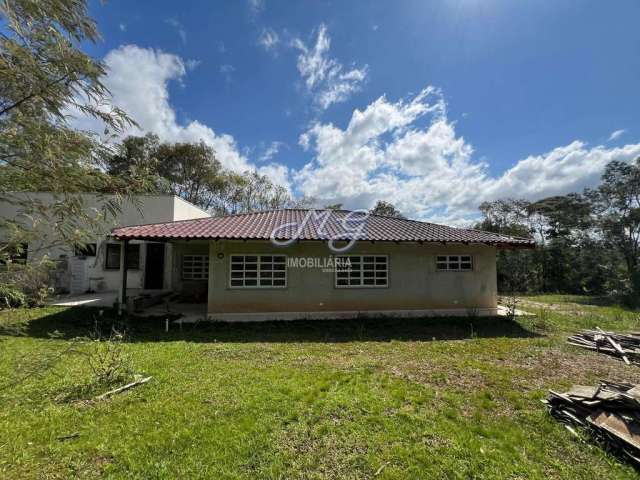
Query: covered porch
146	303
183	279
151	277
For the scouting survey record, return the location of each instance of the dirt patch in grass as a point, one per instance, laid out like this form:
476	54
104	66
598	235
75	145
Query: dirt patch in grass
312	451
564	308
553	366
528	369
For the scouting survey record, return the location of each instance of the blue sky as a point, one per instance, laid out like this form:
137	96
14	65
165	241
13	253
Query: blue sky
432	105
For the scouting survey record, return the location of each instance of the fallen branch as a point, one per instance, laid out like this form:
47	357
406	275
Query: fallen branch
123	388
382	467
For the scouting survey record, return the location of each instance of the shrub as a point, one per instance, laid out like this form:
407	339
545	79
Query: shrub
30	280
108	359
11	297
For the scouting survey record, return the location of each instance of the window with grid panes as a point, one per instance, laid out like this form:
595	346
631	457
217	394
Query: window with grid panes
195	267
362	271
454	263
258	271
112	256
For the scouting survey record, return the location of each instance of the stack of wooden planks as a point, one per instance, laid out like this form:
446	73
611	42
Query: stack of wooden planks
622	345
609	412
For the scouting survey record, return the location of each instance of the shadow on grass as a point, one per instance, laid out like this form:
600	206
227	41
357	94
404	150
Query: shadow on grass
79	321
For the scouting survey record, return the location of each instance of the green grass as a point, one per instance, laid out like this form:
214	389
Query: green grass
445	398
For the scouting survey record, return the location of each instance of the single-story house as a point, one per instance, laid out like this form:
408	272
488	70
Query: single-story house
96	266
299	263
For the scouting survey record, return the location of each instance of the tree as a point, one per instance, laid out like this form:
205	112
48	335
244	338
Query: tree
616	203
506	216
135	153
44	79
386	209
188	170
572	256
254	192
333	206
191	171
516	271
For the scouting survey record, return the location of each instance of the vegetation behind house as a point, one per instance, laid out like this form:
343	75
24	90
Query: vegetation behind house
588	243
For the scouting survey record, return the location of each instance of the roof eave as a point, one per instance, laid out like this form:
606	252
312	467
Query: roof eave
502	245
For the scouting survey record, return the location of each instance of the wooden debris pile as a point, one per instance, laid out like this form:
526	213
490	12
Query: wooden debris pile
610	413
622	345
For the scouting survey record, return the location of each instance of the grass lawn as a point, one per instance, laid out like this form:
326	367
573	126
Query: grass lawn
445	398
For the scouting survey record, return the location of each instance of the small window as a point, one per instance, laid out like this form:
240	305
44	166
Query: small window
258	271
362	271
15	253
454	263
195	267
88	250
112	261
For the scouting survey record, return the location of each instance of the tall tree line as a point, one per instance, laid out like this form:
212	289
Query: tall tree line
588	242
192	171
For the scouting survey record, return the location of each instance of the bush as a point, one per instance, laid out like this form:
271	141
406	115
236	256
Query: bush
108	358
11	297
30	281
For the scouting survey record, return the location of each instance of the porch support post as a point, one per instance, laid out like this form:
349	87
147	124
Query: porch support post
214	262
122	304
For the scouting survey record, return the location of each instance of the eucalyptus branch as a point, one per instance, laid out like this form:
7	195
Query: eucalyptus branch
33	95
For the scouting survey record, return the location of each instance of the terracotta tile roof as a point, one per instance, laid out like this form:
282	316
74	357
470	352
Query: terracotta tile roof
314	225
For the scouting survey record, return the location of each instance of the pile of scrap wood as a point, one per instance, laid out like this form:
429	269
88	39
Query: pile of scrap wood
623	345
610	412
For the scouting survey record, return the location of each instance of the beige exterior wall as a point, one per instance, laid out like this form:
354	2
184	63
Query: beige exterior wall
183	210
414	283
144	209
190	288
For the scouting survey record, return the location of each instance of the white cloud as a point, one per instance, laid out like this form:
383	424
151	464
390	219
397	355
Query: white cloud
617	134
429	171
256	6
271	151
325	77
269	39
407	151
564	169
123	27
192	64
138	79
279	174
179	28
227	70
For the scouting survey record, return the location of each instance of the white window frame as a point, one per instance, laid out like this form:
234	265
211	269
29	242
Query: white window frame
374	255
258	271
454	260
202	258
